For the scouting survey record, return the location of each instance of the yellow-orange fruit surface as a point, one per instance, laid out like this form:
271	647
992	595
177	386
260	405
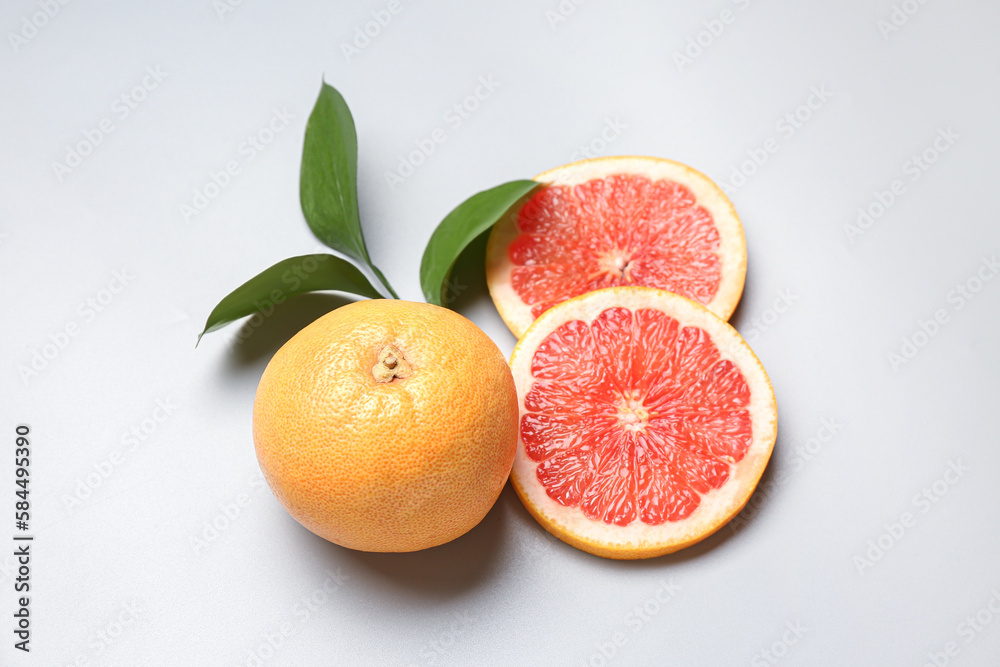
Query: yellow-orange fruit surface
387	425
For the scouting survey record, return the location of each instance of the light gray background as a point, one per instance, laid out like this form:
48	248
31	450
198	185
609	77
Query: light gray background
118	578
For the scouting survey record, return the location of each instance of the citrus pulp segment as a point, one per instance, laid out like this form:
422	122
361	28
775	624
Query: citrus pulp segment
645	421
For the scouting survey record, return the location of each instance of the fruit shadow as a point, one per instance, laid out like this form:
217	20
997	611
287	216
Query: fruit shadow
441	572
257	340
737	529
738	316
465	288
734	530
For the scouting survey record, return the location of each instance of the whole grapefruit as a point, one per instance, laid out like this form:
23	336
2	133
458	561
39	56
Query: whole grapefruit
387	425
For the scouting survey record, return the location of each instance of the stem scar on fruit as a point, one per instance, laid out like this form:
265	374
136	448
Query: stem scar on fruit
390	365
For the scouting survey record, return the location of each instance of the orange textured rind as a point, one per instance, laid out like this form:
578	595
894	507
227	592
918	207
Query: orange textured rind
387	466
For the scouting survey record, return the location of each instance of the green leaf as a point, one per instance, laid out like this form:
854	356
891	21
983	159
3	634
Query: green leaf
328	184
288	278
467	221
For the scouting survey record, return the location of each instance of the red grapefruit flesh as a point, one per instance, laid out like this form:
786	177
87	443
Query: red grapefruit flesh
645	422
612	222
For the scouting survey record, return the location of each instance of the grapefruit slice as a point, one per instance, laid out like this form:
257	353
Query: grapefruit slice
617	221
645	422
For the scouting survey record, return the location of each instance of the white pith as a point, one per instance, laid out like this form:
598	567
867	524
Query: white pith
732	244
717	506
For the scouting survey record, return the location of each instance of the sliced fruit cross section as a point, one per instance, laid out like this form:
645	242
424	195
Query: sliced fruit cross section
645	421
617	221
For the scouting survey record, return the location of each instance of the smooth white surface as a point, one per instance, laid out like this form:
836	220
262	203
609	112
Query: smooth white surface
505	593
